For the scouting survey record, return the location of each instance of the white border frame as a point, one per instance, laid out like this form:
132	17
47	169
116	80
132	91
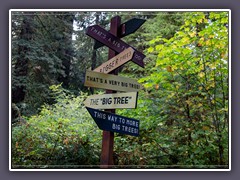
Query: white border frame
123	10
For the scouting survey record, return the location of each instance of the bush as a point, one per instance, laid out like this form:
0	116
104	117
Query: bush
61	135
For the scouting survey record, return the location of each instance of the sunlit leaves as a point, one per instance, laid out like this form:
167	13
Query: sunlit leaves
151	49
191	75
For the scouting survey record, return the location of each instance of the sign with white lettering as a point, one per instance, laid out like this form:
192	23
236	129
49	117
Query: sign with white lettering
126	28
113	42
116	61
111	82
115	123
112	101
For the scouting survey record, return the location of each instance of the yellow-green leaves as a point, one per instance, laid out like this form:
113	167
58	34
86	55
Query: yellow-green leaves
192	34
201	74
150	49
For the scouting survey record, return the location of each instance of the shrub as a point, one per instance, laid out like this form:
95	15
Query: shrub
62	135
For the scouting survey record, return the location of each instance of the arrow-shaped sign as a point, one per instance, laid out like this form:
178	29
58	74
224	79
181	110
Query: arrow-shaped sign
112	101
115	123
116	61
113	42
111	82
126	28
130	26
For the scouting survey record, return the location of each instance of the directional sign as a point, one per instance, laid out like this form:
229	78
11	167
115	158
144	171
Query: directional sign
113	42
126	28
111	82
112	101
116	61
130	26
115	123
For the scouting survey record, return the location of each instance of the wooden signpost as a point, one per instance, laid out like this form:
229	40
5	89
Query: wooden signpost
126	28
107	120
112	101
113	42
113	82
116	61
114	123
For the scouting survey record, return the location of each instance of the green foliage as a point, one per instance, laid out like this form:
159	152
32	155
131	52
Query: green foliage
183	110
62	135
41	54
190	85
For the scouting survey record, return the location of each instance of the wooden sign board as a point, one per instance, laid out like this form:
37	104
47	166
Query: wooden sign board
116	61
113	42
126	28
112	101
131	26
114	123
111	82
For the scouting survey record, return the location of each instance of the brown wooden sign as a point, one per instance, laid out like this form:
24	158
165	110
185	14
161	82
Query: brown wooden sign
113	42
107	120
112	101
112	82
116	61
125	29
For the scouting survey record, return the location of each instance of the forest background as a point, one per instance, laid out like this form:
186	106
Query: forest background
183	109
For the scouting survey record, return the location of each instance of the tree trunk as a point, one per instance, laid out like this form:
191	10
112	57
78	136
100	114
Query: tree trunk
65	50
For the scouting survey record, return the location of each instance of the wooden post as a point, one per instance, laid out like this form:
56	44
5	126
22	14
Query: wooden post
107	136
